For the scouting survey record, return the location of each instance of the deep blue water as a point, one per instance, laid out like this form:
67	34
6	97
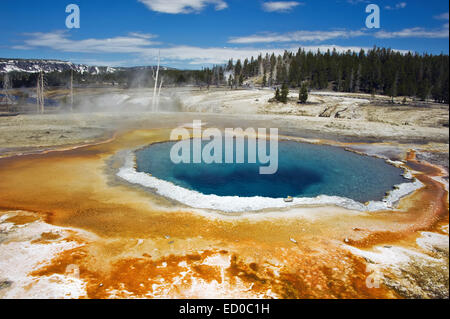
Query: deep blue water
305	170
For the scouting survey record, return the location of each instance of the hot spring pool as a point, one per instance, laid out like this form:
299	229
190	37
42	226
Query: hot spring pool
304	171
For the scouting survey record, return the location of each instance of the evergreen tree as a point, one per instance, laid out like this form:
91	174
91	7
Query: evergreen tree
284	93
230	81
303	93
277	94
376	71
423	90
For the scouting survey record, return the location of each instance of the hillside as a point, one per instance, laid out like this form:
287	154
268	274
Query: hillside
48	66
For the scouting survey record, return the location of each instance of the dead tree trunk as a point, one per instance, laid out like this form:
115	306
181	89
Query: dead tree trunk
71	90
154	102
40	93
6	88
159	91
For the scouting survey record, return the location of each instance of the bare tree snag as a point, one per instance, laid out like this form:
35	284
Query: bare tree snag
154	102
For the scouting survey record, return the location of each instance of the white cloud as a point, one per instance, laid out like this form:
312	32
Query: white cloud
95	62
416	32
443	16
357	1
201	56
141	35
280	6
321	35
142	50
182	6
400	5
297	36
59	41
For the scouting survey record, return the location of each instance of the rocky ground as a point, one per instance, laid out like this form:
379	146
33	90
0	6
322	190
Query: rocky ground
327	115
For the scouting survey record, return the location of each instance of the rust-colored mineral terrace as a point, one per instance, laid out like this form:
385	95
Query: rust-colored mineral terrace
133	243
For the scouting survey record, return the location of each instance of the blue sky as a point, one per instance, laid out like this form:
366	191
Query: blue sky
195	33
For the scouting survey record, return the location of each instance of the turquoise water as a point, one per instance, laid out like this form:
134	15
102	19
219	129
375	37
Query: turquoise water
305	170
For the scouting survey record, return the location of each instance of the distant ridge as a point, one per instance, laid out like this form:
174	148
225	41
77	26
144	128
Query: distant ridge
48	66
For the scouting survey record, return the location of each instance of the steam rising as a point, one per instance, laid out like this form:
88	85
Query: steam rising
131	100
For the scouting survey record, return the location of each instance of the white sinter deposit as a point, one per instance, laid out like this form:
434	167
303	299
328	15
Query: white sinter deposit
21	255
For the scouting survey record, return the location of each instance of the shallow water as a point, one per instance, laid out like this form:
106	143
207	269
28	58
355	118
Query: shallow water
305	170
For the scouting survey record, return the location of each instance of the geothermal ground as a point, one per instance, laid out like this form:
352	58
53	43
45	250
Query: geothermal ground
71	228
